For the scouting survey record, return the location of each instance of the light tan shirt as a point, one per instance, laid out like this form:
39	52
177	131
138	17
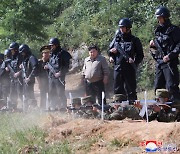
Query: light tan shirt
95	70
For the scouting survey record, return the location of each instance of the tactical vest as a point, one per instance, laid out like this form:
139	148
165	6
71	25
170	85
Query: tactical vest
60	60
55	61
127	46
15	64
31	66
164	38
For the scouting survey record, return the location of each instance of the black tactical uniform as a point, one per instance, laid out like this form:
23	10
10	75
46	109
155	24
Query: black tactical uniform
4	75
16	84
59	61
168	38
128	46
1	62
43	78
29	71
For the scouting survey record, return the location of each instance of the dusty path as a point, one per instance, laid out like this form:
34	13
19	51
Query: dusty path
96	136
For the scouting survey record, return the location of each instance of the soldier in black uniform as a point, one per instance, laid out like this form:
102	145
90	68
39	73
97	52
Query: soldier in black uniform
1	62
126	53
4	75
167	48
58	67
29	68
43	75
16	84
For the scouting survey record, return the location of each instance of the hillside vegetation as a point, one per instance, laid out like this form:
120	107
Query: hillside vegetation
81	21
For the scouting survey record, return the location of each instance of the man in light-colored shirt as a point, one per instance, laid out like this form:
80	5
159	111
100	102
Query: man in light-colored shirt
95	73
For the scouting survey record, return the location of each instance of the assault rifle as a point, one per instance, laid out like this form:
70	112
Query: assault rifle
12	73
160	61
142	102
24	74
88	107
165	105
52	70
125	55
82	108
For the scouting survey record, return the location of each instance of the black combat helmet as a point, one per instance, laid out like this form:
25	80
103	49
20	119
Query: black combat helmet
24	48
54	41
1	56
162	11
125	22
7	53
14	46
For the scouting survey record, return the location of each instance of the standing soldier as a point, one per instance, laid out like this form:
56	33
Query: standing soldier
126	53
16	83
167	48
29	68
95	72
43	75
1	71
4	75
58	67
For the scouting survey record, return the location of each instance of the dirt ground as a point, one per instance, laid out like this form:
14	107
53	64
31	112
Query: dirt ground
96	136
